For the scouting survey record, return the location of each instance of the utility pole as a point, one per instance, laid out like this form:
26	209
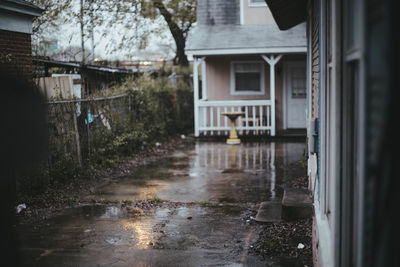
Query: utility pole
82	35
84	83
92	29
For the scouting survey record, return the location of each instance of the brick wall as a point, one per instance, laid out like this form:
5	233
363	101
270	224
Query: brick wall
15	53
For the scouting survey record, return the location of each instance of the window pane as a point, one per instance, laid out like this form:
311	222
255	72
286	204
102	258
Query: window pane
247	81
257	1
298	83
353	26
247	67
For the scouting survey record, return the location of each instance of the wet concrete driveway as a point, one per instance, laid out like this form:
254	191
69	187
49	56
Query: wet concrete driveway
204	200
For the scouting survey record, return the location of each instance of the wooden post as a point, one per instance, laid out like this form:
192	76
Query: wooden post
272	62
203	79
196	96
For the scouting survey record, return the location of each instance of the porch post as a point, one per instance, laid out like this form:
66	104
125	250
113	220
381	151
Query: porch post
272	62
203	79
196	96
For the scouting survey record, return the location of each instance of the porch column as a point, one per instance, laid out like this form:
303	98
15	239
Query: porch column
203	79
272	60
196	63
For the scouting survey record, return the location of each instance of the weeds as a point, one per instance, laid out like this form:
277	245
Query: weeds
152	110
156	198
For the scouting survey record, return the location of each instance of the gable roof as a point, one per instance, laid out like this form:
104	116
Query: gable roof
245	39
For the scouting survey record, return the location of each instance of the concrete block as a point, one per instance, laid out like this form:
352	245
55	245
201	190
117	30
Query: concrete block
296	204
269	212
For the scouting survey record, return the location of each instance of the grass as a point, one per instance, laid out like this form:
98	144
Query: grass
204	203
156	198
105	201
127	201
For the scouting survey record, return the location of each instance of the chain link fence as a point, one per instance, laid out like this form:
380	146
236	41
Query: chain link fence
88	134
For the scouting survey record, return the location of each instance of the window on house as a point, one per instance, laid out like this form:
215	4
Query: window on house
298	83
257	3
353	31
247	78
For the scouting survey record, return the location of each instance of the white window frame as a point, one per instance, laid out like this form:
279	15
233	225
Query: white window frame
262	78
252	4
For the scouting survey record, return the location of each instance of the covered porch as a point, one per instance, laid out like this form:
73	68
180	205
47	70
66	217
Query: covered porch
259	115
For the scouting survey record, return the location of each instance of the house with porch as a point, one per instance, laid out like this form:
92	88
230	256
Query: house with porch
245	63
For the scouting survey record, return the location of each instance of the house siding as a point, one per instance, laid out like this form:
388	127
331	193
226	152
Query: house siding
15	53
314	160
218	83
314	60
256	14
221	12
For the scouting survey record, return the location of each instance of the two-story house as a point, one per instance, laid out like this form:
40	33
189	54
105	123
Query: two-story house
247	64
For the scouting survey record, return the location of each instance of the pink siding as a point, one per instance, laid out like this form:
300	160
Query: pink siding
218	82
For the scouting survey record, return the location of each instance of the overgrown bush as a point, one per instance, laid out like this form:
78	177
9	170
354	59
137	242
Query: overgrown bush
151	110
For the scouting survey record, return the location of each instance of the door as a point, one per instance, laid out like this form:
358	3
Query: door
295	95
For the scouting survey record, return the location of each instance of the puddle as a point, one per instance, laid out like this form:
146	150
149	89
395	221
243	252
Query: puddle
250	172
224	180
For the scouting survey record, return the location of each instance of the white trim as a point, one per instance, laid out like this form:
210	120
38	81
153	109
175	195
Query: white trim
272	61
286	75
325	245
196	96
21	9
15	22
238	128
239	51
284	97
241	12
234	103
250	4
203	78
262	78
207	109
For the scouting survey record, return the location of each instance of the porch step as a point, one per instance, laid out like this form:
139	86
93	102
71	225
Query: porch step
269	212
296	204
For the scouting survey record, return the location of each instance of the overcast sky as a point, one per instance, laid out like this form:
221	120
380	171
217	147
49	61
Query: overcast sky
160	45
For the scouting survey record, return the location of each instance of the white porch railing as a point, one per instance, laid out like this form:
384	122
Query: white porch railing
256	120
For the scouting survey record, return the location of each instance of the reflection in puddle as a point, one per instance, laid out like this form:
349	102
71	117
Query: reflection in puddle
142	233
211	171
248	156
114	212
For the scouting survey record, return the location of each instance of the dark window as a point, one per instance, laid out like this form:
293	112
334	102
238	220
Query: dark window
248	77
247	81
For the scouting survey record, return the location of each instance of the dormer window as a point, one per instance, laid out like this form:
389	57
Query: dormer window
257	3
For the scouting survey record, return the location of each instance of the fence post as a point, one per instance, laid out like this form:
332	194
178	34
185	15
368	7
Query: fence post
87	126
77	139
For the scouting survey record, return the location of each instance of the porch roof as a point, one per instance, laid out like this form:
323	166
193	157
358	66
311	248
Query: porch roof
245	39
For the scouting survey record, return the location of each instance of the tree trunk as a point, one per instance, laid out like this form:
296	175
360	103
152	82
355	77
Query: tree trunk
177	33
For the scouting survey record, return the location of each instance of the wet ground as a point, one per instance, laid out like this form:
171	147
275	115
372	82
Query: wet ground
194	208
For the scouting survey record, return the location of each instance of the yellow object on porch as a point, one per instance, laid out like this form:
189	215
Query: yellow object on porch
233	137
